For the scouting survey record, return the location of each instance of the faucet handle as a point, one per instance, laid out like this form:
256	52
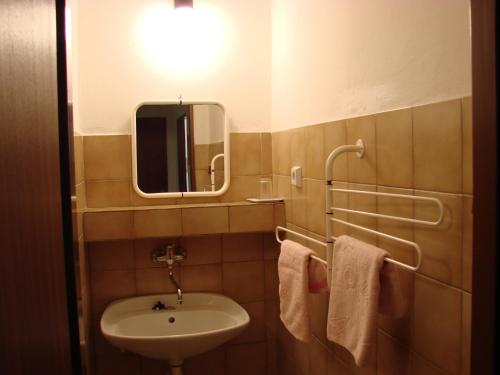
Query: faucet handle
159	255
170	254
177	253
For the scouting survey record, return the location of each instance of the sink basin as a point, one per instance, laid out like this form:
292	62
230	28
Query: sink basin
203	322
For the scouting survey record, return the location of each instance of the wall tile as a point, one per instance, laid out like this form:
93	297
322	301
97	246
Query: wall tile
212	362
272	316
437	144
244	281
107	157
205	220
256	331
299	205
251	218
362	202
154	281
108	193
272	358
153	366
467	237
337	367
245	154
109	286
395	148
437	323
466	332
137	201
441	246
271	279
392	357
271	246
241	188
81	196
126	364
279	214
315	206
246	359
78	159
201	157
284	190
420	366
283	146
467	145
205	249
201	278
99	226
241	247
318	356
298	148
335	136
144	247
399	328
111	255
362	170
318	308
266	157
157	223
341	200
296	349
315	161
102	346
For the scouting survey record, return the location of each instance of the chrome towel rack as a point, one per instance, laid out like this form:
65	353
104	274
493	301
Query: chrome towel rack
330	209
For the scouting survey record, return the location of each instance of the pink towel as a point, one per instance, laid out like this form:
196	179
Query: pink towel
295	282
317	275
362	284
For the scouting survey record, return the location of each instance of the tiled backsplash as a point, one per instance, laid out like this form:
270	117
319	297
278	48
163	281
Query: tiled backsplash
241	266
426	150
108	171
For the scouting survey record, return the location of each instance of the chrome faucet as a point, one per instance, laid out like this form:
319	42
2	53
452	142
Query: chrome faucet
170	254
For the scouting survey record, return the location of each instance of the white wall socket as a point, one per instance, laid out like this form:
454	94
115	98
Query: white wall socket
296	176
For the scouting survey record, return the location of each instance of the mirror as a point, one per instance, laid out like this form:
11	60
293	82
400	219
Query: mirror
180	149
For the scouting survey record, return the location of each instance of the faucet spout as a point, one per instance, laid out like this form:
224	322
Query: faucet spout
176	284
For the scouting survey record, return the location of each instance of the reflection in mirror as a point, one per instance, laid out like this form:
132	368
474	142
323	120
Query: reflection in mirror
179	148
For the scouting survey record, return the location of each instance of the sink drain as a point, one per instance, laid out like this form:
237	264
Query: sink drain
171	319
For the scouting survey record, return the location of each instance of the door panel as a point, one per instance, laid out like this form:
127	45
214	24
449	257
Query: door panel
34	324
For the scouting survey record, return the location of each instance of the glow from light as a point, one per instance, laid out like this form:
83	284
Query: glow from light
183	40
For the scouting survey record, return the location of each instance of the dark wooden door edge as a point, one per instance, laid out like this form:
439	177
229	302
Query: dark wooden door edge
66	160
484	97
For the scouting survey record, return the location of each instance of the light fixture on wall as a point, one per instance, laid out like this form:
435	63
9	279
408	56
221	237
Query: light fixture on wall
183	4
180	40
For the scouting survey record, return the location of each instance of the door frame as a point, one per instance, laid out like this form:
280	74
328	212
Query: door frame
484	331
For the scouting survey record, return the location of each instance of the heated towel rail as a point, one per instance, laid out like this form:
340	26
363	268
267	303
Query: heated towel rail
330	210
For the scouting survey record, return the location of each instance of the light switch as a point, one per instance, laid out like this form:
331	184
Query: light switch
296	176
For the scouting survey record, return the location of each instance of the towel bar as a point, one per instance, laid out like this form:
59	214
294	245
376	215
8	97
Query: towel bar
330	209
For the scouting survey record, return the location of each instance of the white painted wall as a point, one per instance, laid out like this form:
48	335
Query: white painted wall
334	59
281	63
117	69
208	124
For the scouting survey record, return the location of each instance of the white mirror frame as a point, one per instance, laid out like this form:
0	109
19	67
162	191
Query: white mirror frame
227	174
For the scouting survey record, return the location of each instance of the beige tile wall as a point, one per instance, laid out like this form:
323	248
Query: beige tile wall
80	256
108	171
203	157
242	266
426	151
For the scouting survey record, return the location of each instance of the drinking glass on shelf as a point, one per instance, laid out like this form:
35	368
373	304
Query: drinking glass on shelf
265	188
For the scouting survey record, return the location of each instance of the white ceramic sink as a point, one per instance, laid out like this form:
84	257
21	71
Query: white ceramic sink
203	322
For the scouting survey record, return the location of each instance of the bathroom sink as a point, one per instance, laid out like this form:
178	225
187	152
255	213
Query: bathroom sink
202	322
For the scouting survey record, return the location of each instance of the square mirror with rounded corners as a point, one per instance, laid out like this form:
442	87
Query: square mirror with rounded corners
180	149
